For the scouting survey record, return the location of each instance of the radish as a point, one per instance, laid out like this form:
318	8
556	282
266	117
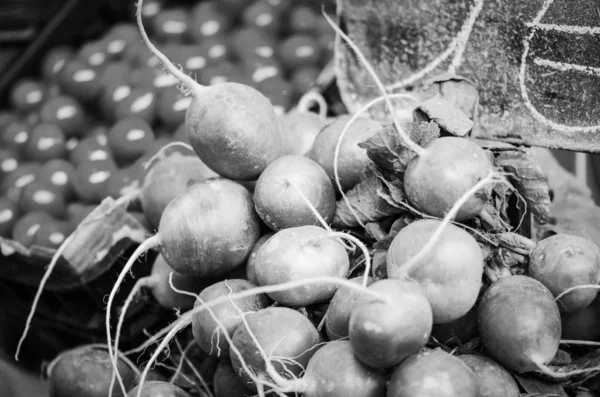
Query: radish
276	196
340	308
251	264
298	253
157	389
450	273
433	373
232	127
519	323
493	379
300	127
227	383
563	261
385	333
205	326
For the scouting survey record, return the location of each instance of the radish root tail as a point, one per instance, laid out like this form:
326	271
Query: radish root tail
575	288
310	98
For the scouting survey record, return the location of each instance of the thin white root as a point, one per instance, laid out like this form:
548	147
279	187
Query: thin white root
310	206
197	374
493	177
364	250
543	368
463	36
260	387
143	247
575	288
38	294
160	154
313	97
579	342
179	369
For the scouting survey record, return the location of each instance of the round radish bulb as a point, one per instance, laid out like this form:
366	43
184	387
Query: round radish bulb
563	261
299	130
15	136
303	19
41	196
28	95
46	142
91	179
208	21
171	108
205	329
53	233
251	265
26	228
340	309
119	38
383	334
86	372
8	217
140	102
583	324
114	92
519	323
58	174
80	80
276	196
493	379
352	159
457	332
450	274
9	161
13	184
298	253
171	25
93	53
334	371
303	79
249	43
226	383
54	61
433	373
130	138
157	389
444	172
261	15
279	92
284	334
64	112
167	179
299	51
194	246
215	48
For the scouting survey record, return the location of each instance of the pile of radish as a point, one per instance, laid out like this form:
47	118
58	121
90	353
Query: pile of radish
286	304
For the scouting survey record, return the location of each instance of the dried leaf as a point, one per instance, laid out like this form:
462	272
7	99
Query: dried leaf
457	90
536	387
388	151
448	117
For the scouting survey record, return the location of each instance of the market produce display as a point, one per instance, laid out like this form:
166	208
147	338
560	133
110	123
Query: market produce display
303	255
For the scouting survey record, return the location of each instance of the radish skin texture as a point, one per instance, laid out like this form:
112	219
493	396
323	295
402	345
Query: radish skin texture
167	179
450	274
298	253
299	131
352	158
384	334
563	261
205	329
334	371
233	128
209	229
583	324
86	372
158	389
226	383
493	379
443	173
251	264
433	373
519	323
288	338
277	200
340	308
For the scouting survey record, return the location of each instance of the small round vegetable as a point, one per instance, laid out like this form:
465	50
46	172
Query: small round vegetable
563	261
216	49
277	200
205	328
119	39
208	21
298	51
80	80
519	323
130	138
153	79
171	25
191	58
227	383
352	158
54	61
583	324
41	196
15	136
259	70
59	174
303	79
85	372
302	19
13	183
249	43
53	233
450	274
222	72
261	15
9	161
140	102
91	179
28	95
447	168
493	379
251	264
64	112
27	227
288	338
299	129
334	371
77	212
297	253
113	93
91	149
46	142
433	373
158	389
171	108
385	333
93	53
8	217
340	309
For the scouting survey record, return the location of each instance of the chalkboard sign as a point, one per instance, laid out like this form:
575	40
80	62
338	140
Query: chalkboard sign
536	63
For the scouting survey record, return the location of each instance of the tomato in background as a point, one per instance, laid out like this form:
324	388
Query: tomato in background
140	102
299	51
171	25
54	61
119	38
93	53
41	196
9	161
27	227
46	142
90	181
64	112
249	43
53	233
112	95
58	173
14	182
263	16
303	19
80	80
28	95
216	48
171	108
130	138
303	79
15	136
208	21
8	217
